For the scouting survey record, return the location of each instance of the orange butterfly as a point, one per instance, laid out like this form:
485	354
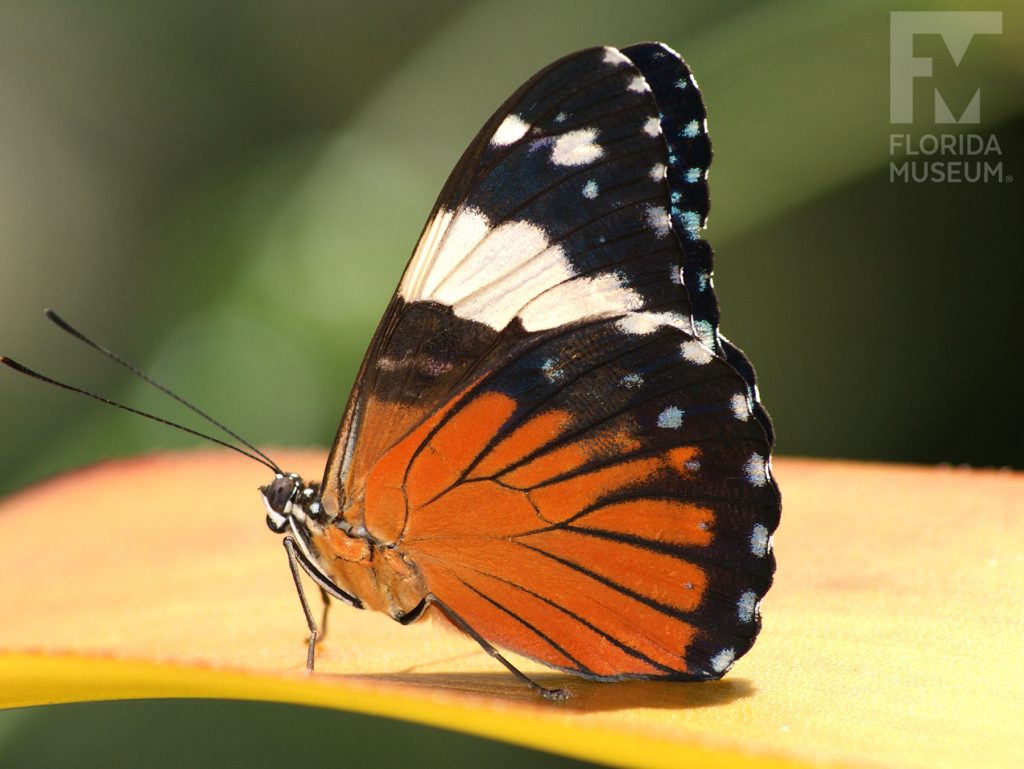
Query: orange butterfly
549	443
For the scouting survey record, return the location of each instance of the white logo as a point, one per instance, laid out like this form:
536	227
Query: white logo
944	157
957	29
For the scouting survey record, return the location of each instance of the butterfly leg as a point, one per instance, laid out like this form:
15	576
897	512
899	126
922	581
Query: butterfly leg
326	598
296	560
556	695
294	563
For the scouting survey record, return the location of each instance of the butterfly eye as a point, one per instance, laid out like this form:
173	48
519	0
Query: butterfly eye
279	493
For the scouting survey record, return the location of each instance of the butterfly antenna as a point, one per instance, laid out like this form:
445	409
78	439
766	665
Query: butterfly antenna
63	325
13	364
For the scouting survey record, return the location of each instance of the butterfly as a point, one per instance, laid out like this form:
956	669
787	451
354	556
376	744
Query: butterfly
549	443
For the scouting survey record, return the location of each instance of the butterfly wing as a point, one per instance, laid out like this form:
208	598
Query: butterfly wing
601	503
557	185
548	422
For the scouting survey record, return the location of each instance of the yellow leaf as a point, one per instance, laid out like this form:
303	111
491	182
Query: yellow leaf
893	635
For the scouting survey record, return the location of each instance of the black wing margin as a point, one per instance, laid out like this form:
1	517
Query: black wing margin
684	125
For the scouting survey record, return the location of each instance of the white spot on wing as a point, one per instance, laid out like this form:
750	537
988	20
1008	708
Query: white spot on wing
659	220
652	127
646	322
511	130
577	299
695	352
671	418
632	380
760	541
638	85
724	660
740	407
747	607
615	56
756	470
658	172
576	148
590	190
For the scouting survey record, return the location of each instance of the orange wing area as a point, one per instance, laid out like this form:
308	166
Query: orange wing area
526	536
397	485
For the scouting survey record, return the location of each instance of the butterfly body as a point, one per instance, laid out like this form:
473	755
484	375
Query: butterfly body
549	440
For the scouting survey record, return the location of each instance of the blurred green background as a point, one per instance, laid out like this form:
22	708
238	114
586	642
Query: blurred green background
226	193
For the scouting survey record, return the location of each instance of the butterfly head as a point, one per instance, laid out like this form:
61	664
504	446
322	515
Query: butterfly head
289	499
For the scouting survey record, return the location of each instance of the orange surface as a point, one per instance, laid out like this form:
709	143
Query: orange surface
893	636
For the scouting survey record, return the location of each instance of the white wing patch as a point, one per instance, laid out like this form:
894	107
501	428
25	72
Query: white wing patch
494	274
471	265
503	291
756	470
615	57
723	660
638	85
740	407
746	608
760	541
426	256
659	220
491	275
576	299
511	130
695	352
445	242
646	322
576	148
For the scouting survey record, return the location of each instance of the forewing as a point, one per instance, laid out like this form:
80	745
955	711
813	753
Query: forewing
559	210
